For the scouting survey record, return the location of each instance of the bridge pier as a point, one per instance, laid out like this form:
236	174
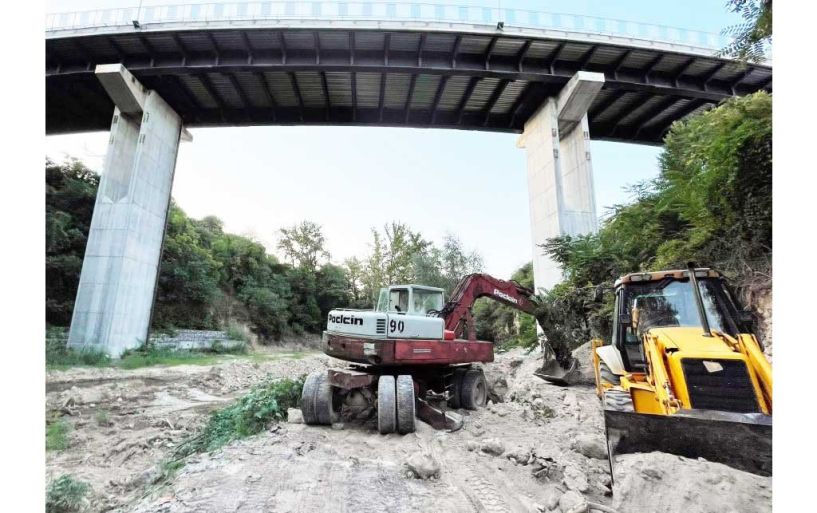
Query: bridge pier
560	173
118	280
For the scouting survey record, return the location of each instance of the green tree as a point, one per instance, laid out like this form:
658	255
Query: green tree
188	277
304	245
70	194
754	33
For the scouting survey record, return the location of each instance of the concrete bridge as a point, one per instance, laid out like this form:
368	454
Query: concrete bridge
559	80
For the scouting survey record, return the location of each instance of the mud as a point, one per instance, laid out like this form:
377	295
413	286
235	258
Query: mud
534	447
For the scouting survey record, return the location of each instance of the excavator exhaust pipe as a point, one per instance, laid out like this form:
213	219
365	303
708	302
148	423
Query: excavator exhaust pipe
739	440
553	372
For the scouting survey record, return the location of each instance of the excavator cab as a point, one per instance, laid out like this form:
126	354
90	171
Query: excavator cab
410	300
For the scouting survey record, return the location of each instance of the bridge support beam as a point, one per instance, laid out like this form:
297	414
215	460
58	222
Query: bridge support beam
116	289
560	173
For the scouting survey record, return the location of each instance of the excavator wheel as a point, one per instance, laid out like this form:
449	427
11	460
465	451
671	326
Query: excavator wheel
607	375
316	400
405	404
386	405
455	401
474	392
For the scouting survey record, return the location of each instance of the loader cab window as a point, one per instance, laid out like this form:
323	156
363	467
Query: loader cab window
672	303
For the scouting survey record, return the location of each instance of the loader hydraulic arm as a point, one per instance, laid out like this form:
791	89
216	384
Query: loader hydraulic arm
457	312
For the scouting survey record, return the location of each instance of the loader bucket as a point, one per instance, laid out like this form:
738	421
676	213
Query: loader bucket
552	372
739	440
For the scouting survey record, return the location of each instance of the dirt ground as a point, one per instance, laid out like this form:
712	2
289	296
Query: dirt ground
537	448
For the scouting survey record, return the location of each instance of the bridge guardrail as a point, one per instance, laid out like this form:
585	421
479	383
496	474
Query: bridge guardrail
381	11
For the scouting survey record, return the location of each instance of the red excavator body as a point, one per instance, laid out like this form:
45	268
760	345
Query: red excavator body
455	343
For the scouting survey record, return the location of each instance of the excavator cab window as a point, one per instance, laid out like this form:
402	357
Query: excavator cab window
425	301
398	300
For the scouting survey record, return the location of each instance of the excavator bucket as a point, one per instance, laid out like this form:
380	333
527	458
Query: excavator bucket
553	372
739	440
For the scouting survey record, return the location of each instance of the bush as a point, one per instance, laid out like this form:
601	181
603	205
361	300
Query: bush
234	332
251	414
56	435
66	495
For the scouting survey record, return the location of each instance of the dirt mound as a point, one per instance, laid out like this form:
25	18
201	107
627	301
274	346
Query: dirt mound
672	484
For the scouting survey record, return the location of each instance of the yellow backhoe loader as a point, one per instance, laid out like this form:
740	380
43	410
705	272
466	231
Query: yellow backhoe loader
683	373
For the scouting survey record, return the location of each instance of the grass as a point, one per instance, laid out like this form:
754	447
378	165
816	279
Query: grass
66	495
56	435
59	356
103	418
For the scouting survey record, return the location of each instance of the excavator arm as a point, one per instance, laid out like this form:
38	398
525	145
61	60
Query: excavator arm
457	312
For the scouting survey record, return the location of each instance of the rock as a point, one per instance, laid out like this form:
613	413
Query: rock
519	455
590	446
472	445
295	416
338	426
493	446
423	465
572	502
538	403
575	479
551	500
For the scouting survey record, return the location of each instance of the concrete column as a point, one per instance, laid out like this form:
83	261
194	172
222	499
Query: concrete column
118	280
560	172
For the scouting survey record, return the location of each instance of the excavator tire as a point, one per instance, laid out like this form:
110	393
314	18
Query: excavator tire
323	402
386	407
316	400
455	401
607	375
474	392
405	404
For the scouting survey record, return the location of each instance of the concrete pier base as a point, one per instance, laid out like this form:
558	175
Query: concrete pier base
560	171
117	285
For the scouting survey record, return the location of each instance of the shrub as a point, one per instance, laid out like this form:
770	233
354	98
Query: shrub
251	414
56	435
66	495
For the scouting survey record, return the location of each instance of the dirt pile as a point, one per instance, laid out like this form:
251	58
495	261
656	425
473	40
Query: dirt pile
671	484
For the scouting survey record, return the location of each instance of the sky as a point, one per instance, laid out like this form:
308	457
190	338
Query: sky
351	179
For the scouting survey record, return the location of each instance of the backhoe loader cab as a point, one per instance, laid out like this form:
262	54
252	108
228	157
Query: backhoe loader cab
683	374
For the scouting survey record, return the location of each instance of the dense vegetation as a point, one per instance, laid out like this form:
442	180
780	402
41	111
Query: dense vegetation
212	279
711	204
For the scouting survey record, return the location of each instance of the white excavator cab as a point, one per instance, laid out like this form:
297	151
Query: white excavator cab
417	300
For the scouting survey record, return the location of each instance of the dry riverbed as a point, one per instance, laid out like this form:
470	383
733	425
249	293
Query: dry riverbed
538	448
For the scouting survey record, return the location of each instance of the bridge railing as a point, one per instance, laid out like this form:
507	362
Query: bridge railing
381	11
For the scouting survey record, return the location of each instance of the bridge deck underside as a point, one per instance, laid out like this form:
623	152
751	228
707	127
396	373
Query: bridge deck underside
385	78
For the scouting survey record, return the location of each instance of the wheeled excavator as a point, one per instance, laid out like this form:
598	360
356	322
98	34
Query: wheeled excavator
683	373
412	355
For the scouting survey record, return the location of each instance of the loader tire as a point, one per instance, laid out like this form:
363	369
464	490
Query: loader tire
455	401
386	405
618	400
474	393
405	404
607	376
316	400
